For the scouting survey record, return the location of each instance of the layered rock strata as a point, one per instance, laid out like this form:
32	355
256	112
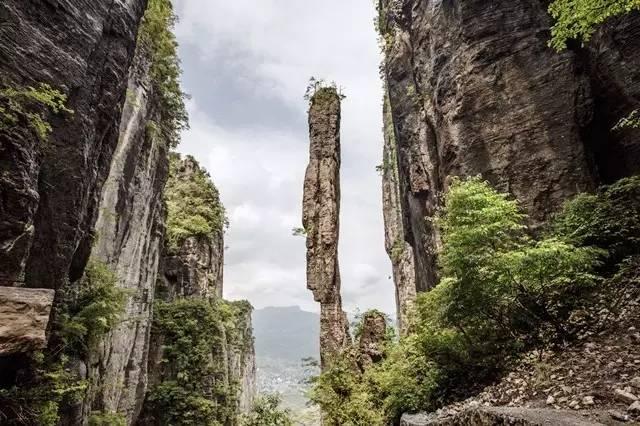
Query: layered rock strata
474	89
321	221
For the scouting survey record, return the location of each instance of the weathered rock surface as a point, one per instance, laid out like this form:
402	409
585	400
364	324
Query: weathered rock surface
474	89
129	233
490	416
24	315
53	189
371	344
399	250
195	271
321	220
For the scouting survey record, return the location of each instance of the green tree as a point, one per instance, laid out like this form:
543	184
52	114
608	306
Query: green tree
267	412
578	19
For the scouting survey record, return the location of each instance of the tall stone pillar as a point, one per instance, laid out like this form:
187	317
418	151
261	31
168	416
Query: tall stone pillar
320	218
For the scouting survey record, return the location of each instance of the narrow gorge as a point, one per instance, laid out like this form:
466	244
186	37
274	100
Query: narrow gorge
470	213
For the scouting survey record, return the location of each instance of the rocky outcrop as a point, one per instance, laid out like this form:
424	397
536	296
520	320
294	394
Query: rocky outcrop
372	339
129	237
399	250
191	268
487	416
474	89
321	221
24	315
52	189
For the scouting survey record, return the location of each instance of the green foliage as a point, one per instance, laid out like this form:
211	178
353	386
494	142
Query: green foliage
31	104
344	397
609	219
299	232
267	412
502	292
101	418
156	36
195	391
578	19
319	91
193	204
37	399
93	307
631	121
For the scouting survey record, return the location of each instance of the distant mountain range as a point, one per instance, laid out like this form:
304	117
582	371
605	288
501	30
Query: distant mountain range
286	333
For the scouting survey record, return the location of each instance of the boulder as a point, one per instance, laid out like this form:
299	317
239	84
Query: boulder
24	315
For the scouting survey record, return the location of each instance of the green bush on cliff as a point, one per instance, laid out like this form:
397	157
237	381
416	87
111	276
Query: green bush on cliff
267	412
195	390
578	19
31	104
156	36
93	307
501	292
193	204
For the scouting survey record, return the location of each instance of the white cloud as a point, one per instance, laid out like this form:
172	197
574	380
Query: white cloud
265	51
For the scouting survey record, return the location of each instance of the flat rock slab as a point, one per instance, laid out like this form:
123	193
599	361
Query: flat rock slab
489	416
24	315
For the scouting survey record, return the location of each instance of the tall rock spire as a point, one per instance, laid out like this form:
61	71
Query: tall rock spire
320	218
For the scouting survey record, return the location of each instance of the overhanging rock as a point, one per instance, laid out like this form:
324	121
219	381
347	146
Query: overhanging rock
24	315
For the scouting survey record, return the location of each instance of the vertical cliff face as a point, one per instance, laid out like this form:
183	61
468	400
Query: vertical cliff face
52	189
321	220
129	236
190	283
399	250
473	89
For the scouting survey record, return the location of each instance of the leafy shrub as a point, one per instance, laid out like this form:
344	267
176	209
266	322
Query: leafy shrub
36	399
93	307
609	219
343	396
578	19
194	390
101	418
267	412
193	204
501	292
32	105
156	36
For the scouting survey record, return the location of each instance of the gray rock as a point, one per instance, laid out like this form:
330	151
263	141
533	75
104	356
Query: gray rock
320	218
490	416
624	396
634	408
474	89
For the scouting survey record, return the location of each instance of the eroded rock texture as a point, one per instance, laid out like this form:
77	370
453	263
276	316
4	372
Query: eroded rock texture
24	315
321	221
399	250
489	416
474	89
371	343
129	233
194	270
51	190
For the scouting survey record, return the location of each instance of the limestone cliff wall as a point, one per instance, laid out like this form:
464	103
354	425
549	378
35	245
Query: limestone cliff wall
194	270
129	237
474	89
51	191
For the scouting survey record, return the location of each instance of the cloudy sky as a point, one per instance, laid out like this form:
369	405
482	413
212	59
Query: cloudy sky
246	65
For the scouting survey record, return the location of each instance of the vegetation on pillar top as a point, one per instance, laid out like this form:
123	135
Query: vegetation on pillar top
320	92
193	203
157	38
